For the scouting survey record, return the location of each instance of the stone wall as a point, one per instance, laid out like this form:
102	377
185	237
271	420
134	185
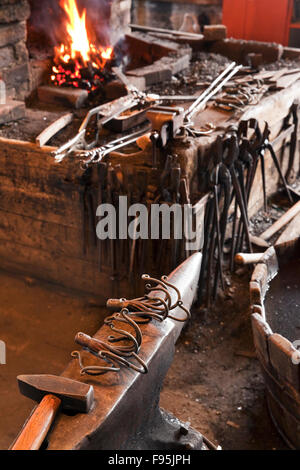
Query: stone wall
120	17
107	22
15	68
14	62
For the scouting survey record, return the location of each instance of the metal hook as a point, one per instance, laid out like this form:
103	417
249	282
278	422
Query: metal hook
144	310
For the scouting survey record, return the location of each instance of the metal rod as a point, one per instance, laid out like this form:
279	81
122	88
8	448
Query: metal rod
215	90
212	88
170	31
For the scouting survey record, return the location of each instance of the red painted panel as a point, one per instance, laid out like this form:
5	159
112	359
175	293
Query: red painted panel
234	17
261	20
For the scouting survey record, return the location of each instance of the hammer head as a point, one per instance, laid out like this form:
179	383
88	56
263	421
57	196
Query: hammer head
75	396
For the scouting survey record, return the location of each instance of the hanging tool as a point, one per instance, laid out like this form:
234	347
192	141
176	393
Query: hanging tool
233	153
223	185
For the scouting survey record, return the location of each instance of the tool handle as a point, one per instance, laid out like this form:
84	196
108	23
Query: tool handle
37	427
248	258
53	129
282	221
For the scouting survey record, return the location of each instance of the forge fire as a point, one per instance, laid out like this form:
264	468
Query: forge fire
78	62
149	227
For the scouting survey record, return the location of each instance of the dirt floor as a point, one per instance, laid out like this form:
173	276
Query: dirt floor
38	325
214	382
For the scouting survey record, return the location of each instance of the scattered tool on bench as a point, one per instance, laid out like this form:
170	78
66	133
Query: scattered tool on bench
165	122
107	112
104	114
209	92
53	393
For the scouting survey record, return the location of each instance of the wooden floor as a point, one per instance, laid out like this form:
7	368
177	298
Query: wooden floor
38	325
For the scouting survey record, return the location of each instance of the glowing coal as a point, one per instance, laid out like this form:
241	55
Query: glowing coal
78	62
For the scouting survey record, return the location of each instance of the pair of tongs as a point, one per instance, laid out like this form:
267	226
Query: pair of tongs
105	113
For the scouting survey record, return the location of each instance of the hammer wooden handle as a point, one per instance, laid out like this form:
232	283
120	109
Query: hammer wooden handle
37	427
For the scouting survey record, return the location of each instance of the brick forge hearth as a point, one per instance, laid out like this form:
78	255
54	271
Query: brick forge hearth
14	60
20	70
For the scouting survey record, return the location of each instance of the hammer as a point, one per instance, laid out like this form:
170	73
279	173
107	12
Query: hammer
52	393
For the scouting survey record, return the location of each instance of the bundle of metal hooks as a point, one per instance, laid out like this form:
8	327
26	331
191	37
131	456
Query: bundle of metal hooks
132	313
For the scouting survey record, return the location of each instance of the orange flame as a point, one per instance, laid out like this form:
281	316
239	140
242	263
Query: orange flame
78	47
76	28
